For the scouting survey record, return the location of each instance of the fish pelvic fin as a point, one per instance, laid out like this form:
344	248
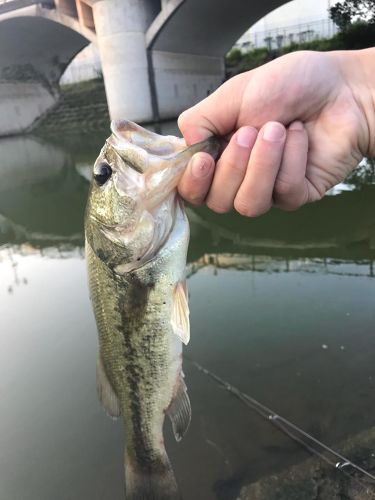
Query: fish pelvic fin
150	481
179	411
106	393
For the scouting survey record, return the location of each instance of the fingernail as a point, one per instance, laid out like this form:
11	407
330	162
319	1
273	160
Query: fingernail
200	167
273	132
296	126
245	137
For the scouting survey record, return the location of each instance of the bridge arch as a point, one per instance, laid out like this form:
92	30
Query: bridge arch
34	52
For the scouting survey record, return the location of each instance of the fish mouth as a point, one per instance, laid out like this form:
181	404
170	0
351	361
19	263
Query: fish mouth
143	150
128	132
140	147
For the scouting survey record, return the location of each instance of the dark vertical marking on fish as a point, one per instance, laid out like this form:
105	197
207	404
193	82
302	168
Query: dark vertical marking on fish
132	312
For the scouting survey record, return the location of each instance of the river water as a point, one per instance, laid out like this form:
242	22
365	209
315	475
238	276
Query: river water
281	307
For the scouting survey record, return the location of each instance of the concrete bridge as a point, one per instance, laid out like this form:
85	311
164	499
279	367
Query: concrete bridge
158	56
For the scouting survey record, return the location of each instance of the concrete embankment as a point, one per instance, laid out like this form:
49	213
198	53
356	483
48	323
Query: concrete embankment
81	107
316	480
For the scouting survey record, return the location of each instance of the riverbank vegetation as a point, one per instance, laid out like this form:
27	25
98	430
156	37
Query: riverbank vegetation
356	22
354	18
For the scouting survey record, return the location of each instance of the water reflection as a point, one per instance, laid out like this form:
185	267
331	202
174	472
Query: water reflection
281	307
45	187
42	197
27	161
267	264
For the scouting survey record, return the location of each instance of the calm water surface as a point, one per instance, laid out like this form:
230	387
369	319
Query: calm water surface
281	307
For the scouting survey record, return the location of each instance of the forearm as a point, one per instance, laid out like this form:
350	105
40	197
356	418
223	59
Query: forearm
358	67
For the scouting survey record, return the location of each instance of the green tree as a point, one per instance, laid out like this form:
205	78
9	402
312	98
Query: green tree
349	12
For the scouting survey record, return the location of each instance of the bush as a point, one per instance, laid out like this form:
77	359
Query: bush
234	57
359	35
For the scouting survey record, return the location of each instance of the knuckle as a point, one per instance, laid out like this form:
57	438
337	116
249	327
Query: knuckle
219	208
196	202
235	166
242	208
289	196
269	163
183	120
190	196
250	209
283	188
295	200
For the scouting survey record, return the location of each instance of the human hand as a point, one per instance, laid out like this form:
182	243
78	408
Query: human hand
294	127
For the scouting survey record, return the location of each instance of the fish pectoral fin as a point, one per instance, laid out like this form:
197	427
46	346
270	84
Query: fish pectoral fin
106	393
180	312
179	411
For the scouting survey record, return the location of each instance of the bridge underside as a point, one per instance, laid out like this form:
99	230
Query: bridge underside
204	27
34	53
156	63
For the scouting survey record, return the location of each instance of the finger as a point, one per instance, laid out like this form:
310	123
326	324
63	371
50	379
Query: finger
291	189
217	114
254	196
230	170
197	178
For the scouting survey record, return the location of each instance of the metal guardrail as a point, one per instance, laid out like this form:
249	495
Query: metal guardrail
277	37
10	5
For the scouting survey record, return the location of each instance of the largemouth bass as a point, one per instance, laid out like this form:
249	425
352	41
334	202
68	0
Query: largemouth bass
137	236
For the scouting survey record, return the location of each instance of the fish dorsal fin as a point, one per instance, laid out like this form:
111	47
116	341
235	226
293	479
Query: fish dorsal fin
180	312
179	411
106	394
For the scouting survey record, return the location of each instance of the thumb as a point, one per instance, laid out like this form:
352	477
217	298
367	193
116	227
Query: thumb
217	114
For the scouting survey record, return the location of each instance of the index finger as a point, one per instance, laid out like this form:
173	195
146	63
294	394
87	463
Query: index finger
217	114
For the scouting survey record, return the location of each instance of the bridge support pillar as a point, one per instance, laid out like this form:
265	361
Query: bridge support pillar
181	80
120	27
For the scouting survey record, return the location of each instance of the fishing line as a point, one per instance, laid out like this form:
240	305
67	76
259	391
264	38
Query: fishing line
336	460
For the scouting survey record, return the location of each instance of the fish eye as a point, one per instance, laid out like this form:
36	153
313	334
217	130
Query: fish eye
102	173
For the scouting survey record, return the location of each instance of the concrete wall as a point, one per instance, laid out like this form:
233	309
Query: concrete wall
182	80
20	104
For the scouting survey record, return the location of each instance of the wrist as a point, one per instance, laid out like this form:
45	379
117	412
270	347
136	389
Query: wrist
358	67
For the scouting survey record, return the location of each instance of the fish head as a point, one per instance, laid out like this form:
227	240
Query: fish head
109	205
132	201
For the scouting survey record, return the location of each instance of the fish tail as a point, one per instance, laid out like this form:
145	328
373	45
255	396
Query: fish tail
153	481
